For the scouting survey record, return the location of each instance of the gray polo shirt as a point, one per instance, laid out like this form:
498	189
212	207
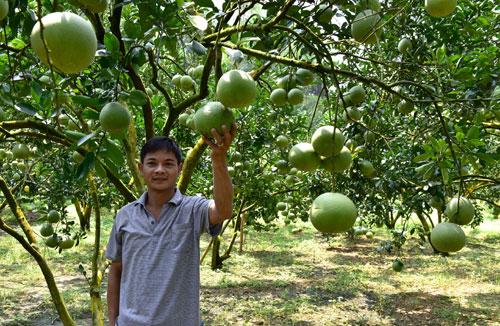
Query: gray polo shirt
160	281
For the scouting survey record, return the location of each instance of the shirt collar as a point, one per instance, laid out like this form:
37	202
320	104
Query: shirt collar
176	198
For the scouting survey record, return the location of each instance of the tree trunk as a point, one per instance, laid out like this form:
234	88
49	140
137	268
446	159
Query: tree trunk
95	282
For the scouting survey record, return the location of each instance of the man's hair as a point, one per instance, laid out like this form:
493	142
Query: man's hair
159	143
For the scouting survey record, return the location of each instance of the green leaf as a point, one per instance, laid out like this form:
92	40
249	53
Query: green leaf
113	152
90	114
84	168
137	97
111	43
199	22
441	54
83	140
444	174
17	44
422	157
474	132
26	108
85	100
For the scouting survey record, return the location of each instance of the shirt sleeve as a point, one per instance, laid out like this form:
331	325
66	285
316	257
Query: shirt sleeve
114	247
201	211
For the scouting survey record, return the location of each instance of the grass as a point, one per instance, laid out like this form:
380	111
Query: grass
292	278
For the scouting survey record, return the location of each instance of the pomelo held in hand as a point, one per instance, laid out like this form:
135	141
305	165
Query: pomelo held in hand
303	157
327	143
460	211
114	117
440	8
448	237
70	39
366	27
333	213
212	115
236	89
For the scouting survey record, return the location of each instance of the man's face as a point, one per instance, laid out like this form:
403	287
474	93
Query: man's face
160	170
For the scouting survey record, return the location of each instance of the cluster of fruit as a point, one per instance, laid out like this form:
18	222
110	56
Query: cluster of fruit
235	89
449	236
288	92
47	231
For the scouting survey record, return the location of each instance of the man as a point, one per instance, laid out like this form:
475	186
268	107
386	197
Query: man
154	277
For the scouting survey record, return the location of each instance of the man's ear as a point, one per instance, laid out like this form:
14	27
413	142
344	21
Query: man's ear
140	165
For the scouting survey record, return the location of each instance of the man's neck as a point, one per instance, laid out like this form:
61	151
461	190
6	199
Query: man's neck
156	199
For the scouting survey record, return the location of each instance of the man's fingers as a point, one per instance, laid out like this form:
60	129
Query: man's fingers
217	137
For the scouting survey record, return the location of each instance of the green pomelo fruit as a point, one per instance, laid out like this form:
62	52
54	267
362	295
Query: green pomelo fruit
290	180
287	82
295	96
281	206
448	237
236	89
21	166
404	45
356	94
4	9
367	169
198	71
333	213
186	83
304	77
279	97
405	107
53	216
325	14
21	151
3	153
369	235
16	177
326	142
293	171
366	27
460	211
440	8
303	157
370	4
212	115
282	141
183	118
70	39
352	113
66	243
46	230
176	80
397	265
52	241
96	6
342	161
114	117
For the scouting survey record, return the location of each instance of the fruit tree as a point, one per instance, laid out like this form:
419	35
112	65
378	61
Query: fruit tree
388	109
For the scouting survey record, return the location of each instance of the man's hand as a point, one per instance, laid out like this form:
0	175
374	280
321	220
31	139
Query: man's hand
221	143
